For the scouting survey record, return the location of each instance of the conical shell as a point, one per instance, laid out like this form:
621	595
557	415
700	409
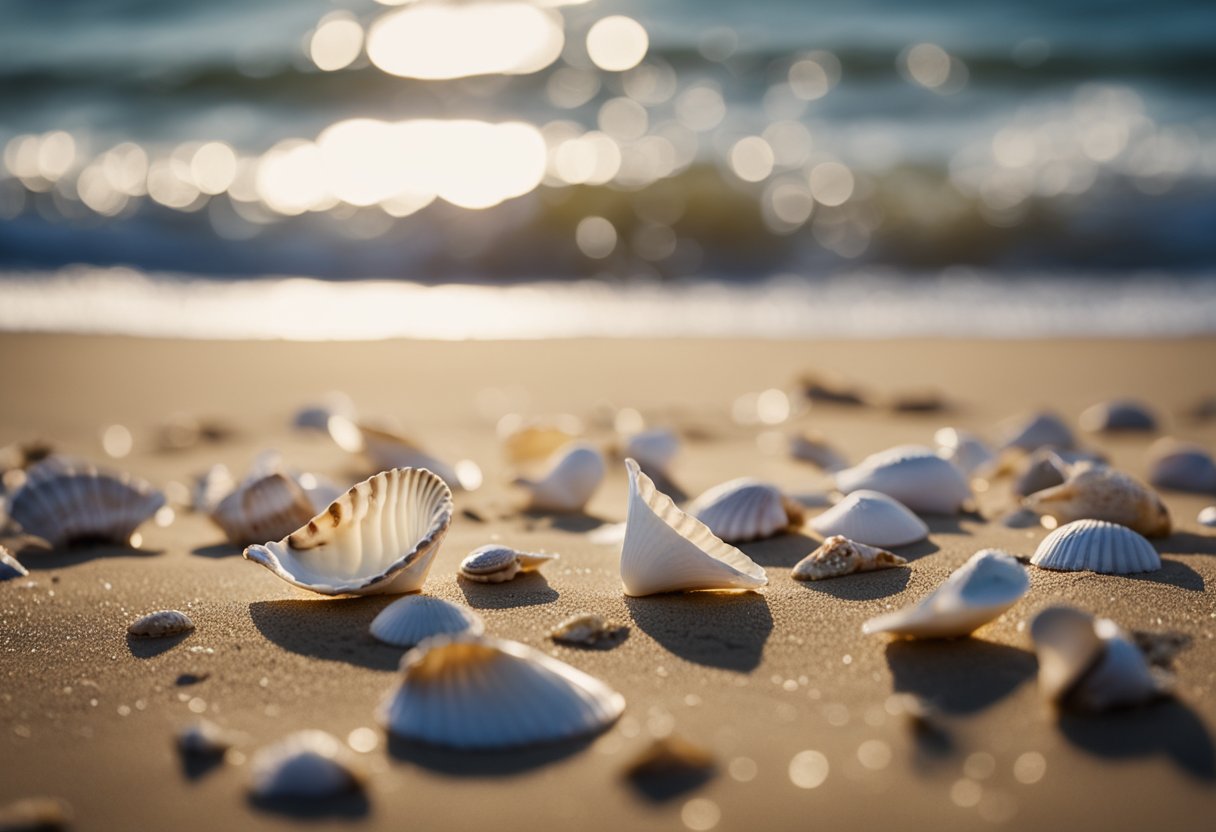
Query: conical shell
380	537
963	448
574	473
10	567
873	519
415	618
1096	492
306	765
745	509
1181	466
840	556
1096	546
974	594
1042	430
666	550
914	475
493	564
266	508
473	692
815	449
1121	415
653	449
161	623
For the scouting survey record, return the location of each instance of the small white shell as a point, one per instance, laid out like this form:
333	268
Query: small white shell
840	556
1117	416
653	449
1096	546
1207	516
204	739
873	519
380	537
574	473
1039	431
307	765
493	564
587	630
161	623
261	509
963	448
666	550
1181	466
813	448
912	474
473	692
1096	492
10	567
415	618
210	487
989	583
745	509
387	449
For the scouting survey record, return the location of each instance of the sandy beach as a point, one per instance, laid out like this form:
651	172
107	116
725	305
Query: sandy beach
88	716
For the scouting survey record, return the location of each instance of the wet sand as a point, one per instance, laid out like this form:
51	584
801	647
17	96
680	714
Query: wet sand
88	716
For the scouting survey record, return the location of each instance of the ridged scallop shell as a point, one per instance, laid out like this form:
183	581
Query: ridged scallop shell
840	556
666	550
266	508
415	618
914	475
306	765
873	519
1116	416
10	567
1096	546
1042	430
588	630
963	448
1207	516
1096	492
653	449
989	583
745	509
573	474
492	564
161	623
63	501
473	692
815	449
380	537
1181	466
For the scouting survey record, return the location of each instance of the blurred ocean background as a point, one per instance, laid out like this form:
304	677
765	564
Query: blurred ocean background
528	168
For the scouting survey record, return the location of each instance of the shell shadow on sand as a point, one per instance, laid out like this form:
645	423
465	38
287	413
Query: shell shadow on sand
863	586
331	629
351	806
958	676
218	550
1168	727
527	590
725	630
498	763
1187	543
1172	573
35	555
147	648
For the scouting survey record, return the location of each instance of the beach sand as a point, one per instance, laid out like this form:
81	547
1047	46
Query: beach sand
756	678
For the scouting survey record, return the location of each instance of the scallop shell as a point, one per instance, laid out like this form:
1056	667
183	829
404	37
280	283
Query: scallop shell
63	502
1181	466
10	567
840	556
161	623
588	630
653	449
1096	492
666	550
814	448
745	509
914	475
873	519
1042	430
474	692
1120	415
572	476
265	508
1207	516
963	448
493	564
974	594
307	765
1096	546
380	537
204	739
415	618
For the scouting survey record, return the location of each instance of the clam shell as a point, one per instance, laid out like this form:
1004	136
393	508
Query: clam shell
914	475
1120	415
873	519
745	509
161	623
493	564
814	448
1096	492
1181	466
415	618
963	448
1207	516
588	630
573	474
306	765
1096	546
10	567
265	508
666	550
473	692
1042	430
380	537
974	594
653	449
840	556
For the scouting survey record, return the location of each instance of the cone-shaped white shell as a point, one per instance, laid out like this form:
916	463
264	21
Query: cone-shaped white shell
745	509
473	692
161	623
574	473
266	508
963	448
974	594
840	556
1096	546
307	764
1039	431
666	550
873	519
379	537
914	475
653	449
492	564
415	618
1119	415
1181	466
10	567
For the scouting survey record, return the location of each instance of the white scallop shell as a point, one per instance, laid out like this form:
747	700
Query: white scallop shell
840	556
813	448
1181	466
10	567
308	764
653	449
492	564
415	618
989	583
963	448
474	692
572	476
912	474
1096	546
63	501
380	537
745	509
1207	516
1039	431
161	623
261	509
666	550
873	519
1117	415
1096	492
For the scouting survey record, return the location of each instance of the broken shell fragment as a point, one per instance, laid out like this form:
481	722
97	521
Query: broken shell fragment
261	509
812	447
1042	430
746	509
160	624
912	474
963	448
873	519
588	630
1120	415
493	564
10	567
573	474
415	618
1096	492
1181	466
1096	546
306	765
840	556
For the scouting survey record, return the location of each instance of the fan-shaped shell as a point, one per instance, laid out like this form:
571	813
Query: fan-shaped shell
380	537
161	623
415	618
266	508
873	519
492	564
974	594
1042	430
666	550
10	567
745	509
1096	492
840	556
1117	416
574	473
912	474
307	765
815	449
963	448
1181	466
473	692
1096	546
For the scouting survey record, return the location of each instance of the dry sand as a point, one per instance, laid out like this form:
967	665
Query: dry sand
757	678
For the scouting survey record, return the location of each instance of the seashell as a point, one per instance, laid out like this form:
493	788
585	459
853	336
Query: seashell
64	502
572	476
415	618
666	550
387	449
1207	517
317	416
588	630
1096	492
10	567
161	623
526	442
1096	546
963	448
36	814
474	692
912	474
812	447
923	400
873	519
653	449
211	487
989	583
380	537
746	509
670	758
1042	430
1117	416
1044	469
840	556
1181	466
493	564
204	739
831	390
265	508
307	765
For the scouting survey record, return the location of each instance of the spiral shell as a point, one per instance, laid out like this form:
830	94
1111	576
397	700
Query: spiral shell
1096	492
